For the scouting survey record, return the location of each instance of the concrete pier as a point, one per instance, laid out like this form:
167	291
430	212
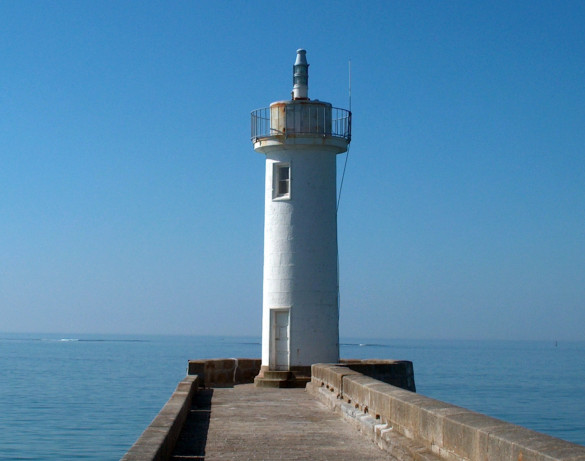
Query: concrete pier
354	410
246	422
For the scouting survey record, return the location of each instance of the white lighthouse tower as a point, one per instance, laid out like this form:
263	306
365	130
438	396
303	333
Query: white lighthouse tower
300	316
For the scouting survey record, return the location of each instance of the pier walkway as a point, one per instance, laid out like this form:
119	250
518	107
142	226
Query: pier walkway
248	423
343	415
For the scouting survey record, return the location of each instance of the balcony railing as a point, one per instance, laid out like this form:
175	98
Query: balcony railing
302	119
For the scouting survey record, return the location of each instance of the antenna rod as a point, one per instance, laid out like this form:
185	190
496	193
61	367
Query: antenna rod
350	85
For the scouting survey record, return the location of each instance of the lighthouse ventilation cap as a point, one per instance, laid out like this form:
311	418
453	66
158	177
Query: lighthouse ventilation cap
301	76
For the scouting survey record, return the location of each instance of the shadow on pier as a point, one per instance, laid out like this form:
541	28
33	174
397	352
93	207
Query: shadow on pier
193	438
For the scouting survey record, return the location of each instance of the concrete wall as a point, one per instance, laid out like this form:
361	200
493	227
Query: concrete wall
399	373
414	427
224	372
158	440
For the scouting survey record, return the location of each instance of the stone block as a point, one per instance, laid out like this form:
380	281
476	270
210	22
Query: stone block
431	413
380	401
373	397
466	433
354	389
404	415
516	442
330	374
247	370
188	384
196	367
219	372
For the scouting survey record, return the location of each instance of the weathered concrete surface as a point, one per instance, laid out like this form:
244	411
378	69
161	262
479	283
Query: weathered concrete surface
224	372
449	432
245	422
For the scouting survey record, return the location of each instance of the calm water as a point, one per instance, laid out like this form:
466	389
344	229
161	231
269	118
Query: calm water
90	397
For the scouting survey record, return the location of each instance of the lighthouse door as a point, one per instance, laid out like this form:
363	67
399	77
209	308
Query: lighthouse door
279	353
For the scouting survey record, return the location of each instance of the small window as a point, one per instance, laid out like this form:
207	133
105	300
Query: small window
281	180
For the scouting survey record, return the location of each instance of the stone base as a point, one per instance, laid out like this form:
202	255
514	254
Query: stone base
281	379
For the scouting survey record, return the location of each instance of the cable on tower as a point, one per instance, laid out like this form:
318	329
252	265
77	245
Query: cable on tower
347	153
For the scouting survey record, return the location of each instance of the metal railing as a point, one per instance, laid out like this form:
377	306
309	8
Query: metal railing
301	120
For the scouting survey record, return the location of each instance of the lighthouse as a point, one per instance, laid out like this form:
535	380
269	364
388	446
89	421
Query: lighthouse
300	139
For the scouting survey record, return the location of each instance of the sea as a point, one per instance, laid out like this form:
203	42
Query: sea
89	397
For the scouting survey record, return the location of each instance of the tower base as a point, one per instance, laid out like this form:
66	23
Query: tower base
295	377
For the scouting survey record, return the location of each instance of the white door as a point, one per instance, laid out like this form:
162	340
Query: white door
279	354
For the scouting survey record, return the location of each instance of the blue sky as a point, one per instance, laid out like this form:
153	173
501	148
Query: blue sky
131	200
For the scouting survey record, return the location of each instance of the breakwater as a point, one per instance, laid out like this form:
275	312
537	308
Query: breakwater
405	424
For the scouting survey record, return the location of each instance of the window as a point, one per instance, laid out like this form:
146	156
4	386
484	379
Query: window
281	178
